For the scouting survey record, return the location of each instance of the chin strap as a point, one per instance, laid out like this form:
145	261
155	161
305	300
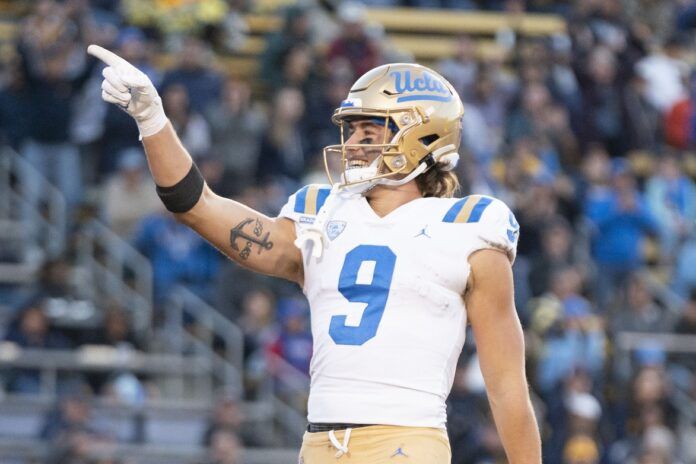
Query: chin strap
446	155
312	239
422	167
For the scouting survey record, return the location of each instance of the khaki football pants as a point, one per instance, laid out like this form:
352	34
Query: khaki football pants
377	444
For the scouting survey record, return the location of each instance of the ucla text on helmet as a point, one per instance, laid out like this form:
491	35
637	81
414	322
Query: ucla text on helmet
405	84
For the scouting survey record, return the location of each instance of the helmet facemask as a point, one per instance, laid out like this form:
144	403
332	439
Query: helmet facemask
391	160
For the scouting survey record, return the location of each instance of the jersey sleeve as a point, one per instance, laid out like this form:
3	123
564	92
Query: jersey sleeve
494	224
302	206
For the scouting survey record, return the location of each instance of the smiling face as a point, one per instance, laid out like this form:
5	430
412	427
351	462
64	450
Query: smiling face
361	134
365	142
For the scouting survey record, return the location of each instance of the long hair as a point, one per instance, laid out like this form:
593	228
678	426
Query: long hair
436	182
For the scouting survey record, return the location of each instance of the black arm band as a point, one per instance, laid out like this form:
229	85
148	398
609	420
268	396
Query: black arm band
183	195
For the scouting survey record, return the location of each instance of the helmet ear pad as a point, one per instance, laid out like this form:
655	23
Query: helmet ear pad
422	139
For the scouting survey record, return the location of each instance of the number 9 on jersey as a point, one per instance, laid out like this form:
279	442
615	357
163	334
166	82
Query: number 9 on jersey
375	293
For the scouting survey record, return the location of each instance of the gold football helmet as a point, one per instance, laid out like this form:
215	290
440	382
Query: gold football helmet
423	112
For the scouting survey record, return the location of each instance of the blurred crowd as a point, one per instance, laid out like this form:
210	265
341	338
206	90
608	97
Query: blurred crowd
588	136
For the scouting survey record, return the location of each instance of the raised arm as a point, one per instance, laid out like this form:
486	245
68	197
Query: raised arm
500	346
250	238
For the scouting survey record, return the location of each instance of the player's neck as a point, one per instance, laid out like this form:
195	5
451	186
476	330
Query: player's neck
384	199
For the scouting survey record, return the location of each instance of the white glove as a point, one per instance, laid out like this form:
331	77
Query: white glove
128	87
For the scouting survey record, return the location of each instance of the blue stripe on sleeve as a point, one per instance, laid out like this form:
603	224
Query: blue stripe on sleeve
454	210
478	209
301	199
322	195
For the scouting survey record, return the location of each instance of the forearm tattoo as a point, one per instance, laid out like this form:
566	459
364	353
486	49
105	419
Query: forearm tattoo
243	242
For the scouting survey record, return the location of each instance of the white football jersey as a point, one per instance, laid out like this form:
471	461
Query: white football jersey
387	314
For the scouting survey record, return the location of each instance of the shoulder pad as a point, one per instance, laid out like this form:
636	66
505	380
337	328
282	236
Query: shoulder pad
468	209
306	203
310	198
497	226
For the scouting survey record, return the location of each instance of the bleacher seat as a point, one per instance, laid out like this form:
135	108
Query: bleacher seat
174	427
419	20
121	422
22	417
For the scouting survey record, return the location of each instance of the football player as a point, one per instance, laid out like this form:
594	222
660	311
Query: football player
393	267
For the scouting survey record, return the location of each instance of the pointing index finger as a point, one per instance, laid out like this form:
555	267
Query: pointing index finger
105	55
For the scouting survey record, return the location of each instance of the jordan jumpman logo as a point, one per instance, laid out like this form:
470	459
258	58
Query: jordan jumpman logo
423	233
399	452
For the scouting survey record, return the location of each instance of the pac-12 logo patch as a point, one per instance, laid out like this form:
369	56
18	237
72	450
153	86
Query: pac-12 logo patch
335	228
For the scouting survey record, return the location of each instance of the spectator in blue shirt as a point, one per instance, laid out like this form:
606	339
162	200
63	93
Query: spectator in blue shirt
620	222
178	256
567	334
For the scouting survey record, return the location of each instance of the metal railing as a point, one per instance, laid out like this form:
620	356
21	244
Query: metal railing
668	342
287	375
184	302
282	376
107	260
664	294
627	342
111	268
21	416
290	388
106	257
97	358
52	230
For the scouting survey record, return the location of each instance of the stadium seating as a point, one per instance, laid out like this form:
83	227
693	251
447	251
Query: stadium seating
428	35
418	20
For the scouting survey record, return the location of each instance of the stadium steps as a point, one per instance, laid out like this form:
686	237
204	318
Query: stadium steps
436	47
9	29
19	262
24	244
245	66
272	5
35	450
263	23
171	430
11	230
11	12
419	20
429	35
452	22
162	422
14	7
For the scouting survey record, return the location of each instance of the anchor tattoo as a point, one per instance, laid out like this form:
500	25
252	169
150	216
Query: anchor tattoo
238	232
